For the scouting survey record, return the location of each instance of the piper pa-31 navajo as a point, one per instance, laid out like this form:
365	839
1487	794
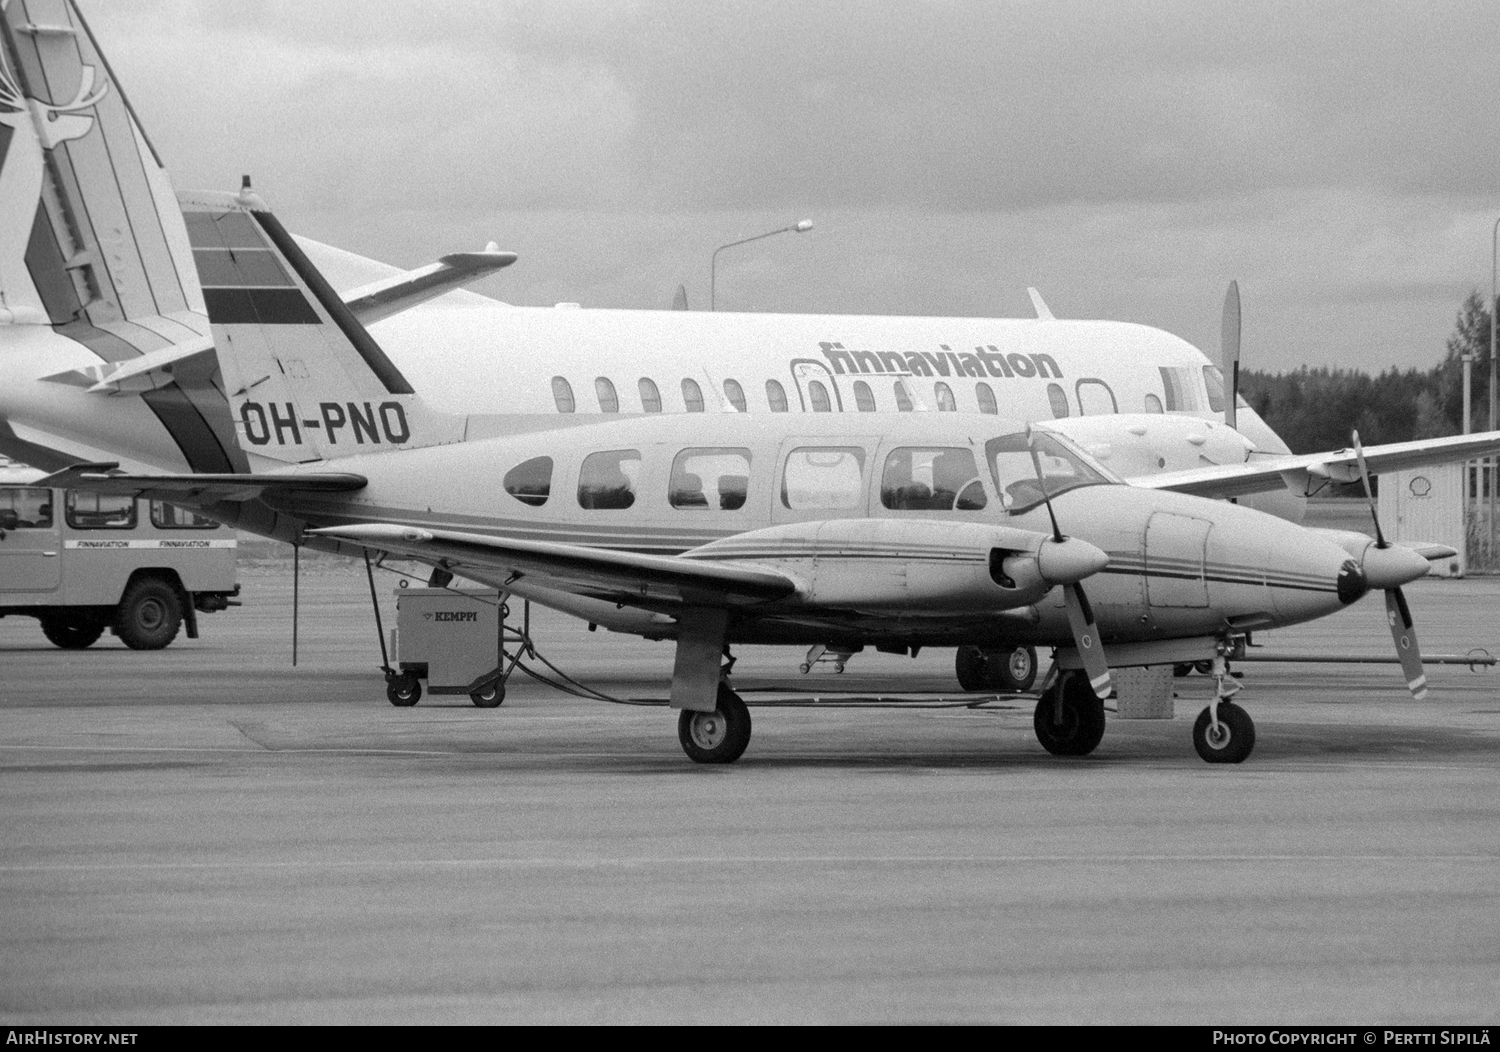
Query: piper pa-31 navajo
204	339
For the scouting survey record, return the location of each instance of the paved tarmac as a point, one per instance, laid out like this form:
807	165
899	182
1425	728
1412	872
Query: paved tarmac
205	834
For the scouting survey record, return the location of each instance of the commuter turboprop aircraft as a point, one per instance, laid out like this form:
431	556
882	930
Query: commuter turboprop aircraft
194	335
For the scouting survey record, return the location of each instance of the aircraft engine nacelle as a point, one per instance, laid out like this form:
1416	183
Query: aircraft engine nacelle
913	565
1136	444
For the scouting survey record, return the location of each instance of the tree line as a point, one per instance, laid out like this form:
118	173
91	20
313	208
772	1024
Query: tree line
1316	409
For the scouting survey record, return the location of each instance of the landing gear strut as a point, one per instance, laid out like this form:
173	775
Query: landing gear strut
1069	718
1223	732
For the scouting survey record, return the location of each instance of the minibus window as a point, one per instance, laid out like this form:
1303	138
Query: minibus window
96	511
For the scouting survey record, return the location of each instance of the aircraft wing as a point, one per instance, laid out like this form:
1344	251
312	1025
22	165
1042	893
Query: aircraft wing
380	299
1307	471
205	488
625	577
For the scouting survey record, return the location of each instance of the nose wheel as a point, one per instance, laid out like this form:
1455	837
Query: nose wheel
1227	738
719	736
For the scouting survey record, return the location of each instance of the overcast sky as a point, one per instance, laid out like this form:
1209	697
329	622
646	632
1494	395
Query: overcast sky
1340	159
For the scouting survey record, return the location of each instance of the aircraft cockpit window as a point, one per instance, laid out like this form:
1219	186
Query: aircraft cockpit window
171	517
1213	380
818	395
823	478
650	396
1058	399
736	395
945	401
903	400
710	478
530	481
692	396
1153	404
609	402
776	396
1063	468
986	396
1180	386
562	394
98	511
931	479
607	480
864	398
25	509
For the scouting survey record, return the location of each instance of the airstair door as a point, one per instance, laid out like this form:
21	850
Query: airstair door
815	384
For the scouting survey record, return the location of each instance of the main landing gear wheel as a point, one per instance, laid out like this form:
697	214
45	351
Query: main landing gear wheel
488	696
719	736
404	690
1231	741
1079	727
72	633
1005	671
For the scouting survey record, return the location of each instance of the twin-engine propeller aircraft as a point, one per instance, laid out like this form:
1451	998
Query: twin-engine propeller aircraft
946	529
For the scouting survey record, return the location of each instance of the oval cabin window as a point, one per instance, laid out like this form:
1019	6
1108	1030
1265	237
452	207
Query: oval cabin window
776	396
562	394
736	395
609	402
650	396
945	401
986	398
692	396
1059	399
818	394
903	400
864	398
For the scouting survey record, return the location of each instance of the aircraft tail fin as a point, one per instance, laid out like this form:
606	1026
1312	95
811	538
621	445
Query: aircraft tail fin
305	380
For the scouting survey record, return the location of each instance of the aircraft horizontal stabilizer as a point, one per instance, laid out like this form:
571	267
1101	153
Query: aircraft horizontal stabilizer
626	577
381	299
100	478
1305	472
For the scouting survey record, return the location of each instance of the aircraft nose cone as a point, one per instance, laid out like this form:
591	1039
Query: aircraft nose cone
1069	560
1352	584
1392	567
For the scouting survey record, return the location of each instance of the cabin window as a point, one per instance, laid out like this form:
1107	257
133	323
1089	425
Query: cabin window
864	398
945	402
692	396
1153	404
97	511
650	396
530	481
903	400
776	396
710	478
736	395
986	398
607	480
818	394
609	402
1095	398
931	479
562	394
823	478
1058	398
25	509
171	517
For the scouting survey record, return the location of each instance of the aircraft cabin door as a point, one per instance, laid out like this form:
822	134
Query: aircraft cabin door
1176	552
30	549
816	386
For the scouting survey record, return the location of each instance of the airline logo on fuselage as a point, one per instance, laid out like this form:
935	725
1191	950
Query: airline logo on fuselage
360	422
983	362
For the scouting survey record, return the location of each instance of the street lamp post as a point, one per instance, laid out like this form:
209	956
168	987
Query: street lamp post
801	227
1494	462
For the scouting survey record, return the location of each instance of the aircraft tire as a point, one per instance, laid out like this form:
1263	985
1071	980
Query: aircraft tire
72	632
149	615
1082	726
719	736
1013	671
489	696
970	664
1236	737
404	690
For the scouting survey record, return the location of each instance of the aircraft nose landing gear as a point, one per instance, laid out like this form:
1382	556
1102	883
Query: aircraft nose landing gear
1223	732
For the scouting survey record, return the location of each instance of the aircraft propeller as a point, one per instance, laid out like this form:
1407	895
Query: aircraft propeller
1229	353
1080	613
1397	613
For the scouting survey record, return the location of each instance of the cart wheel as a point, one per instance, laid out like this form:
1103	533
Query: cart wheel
404	690
488	696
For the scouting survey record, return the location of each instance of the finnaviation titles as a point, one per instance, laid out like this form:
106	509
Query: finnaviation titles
981	362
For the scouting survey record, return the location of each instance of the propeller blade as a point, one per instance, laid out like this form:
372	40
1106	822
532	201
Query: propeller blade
1229	356
1086	639
1404	632
1036	465
1364	474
